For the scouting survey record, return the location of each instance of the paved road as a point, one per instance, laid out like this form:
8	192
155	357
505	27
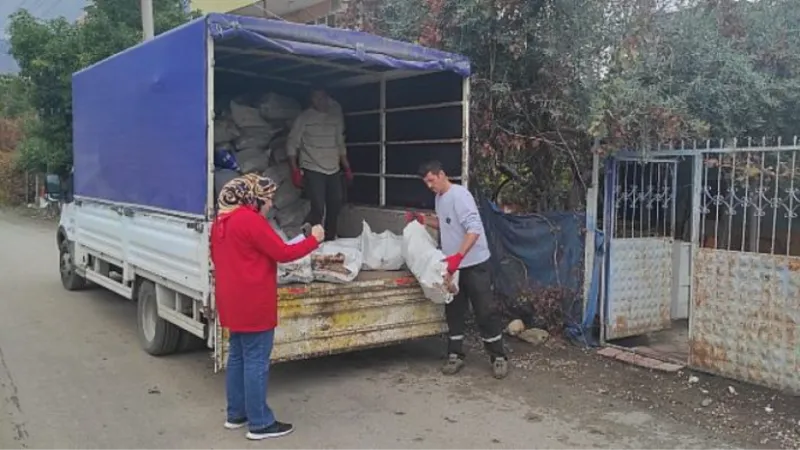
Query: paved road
72	375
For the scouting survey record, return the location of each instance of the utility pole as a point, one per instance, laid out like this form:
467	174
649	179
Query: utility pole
147	19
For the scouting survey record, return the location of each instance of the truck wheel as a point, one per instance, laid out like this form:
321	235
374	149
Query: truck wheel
69	278
157	336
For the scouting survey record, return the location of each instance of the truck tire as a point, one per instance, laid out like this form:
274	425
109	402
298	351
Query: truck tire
157	336
66	264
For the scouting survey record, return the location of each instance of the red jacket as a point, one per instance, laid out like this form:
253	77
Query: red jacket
246	252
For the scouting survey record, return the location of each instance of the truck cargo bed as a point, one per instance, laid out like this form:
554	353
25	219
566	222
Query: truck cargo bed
378	308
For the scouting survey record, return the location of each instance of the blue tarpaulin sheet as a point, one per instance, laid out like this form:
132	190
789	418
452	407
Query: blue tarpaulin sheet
536	259
139	124
333	44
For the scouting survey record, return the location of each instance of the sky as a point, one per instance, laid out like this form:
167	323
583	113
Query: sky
44	9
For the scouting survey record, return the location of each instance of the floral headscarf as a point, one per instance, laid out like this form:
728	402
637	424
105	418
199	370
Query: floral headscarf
247	190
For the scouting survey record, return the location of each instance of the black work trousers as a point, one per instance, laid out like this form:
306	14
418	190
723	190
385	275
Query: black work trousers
475	287
326	196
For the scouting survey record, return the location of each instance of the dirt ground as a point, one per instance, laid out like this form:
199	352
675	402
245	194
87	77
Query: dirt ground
747	415
71	360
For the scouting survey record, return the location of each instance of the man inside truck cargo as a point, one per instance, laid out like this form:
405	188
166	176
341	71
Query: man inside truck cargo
463	238
246	251
318	157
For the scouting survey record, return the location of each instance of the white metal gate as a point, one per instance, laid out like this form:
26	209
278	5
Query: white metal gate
738	208
745	312
639	220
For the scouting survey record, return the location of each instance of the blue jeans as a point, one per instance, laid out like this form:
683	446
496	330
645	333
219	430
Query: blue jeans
247	377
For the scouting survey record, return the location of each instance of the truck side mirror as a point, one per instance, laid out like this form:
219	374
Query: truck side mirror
52	187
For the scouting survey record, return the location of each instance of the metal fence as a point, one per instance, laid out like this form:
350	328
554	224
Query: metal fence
734	208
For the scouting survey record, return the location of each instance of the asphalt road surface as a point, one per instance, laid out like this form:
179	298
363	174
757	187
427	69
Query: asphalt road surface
72	376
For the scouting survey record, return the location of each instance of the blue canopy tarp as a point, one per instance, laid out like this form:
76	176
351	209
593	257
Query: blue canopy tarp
292	48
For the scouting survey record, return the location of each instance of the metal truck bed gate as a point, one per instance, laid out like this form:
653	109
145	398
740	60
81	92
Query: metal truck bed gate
324	318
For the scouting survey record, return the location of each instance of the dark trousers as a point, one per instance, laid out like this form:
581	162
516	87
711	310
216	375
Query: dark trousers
475	287
325	194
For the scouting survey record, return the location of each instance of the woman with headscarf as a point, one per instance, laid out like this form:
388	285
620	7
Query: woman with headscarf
246	251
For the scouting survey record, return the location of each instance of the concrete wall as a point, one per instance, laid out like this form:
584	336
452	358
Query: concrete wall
219	6
310	14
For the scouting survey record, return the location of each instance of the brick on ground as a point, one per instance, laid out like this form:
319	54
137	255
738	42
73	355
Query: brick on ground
638	360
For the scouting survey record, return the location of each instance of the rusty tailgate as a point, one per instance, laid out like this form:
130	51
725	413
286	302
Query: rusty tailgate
378	308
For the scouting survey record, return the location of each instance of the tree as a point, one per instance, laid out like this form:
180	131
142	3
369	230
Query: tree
552	75
711	68
535	66
49	52
13	96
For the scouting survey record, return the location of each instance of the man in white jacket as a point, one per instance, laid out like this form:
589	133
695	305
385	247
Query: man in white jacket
463	238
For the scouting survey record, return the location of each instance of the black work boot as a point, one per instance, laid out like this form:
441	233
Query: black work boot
453	365
500	367
497	355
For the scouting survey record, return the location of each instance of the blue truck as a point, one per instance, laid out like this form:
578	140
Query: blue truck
140	202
